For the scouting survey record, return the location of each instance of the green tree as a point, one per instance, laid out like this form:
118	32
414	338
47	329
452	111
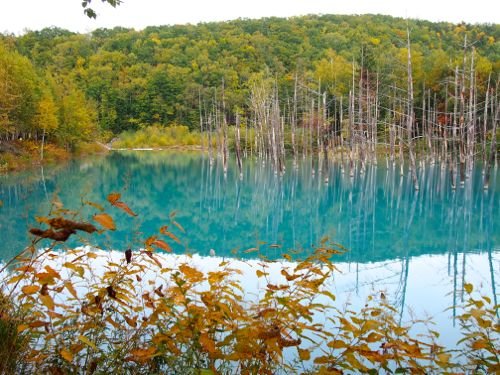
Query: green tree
46	117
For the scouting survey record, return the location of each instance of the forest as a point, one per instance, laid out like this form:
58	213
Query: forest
68	87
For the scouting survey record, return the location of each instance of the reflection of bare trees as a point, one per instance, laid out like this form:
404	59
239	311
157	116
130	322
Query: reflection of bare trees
376	213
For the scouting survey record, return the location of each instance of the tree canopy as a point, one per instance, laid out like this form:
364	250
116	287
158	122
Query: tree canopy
126	79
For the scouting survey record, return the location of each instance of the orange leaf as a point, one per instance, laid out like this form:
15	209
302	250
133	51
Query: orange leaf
207	343
67	355
162	245
70	288
131	322
105	220
142	355
125	208
30	289
172	236
114	197
47	301
191	273
337	344
304	354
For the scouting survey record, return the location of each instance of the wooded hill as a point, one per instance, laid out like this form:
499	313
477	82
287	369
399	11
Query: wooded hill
70	85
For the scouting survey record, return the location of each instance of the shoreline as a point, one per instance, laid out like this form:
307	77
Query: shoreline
17	156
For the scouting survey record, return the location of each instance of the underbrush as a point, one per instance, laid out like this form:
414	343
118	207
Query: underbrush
18	155
85	311
157	136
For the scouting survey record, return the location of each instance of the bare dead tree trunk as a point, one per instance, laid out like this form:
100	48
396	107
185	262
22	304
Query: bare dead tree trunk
237	146
493	144
411	117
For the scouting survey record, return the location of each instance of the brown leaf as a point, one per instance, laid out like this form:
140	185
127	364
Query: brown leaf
207	343
111	292
131	322
192	274
304	354
60	235
159	292
141	355
284	343
105	220
128	255
62	223
56	371
45	290
150	254
47	301
98	302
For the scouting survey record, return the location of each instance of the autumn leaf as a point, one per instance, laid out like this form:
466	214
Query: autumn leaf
70	288
192	274
153	241
125	208
128	255
60	235
111	292
62	223
47	301
114	199
45	290
131	322
337	344
164	230
468	288
207	343
141	355
30	289
105	220
85	340
67	355
304	354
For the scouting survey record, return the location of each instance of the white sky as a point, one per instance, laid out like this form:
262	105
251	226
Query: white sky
18	15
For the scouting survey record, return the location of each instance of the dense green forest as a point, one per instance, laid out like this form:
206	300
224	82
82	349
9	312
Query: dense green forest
69	87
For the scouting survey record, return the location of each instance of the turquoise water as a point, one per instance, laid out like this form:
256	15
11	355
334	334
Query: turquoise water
377	215
419	247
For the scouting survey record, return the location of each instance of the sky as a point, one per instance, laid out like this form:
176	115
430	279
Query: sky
17	16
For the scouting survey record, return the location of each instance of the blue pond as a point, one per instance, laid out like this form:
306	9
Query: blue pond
419	246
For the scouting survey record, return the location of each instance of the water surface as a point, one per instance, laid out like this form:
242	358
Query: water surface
420	246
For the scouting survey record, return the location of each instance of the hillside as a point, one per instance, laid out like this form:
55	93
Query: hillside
69	85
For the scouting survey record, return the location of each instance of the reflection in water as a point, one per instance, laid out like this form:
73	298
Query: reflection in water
377	214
